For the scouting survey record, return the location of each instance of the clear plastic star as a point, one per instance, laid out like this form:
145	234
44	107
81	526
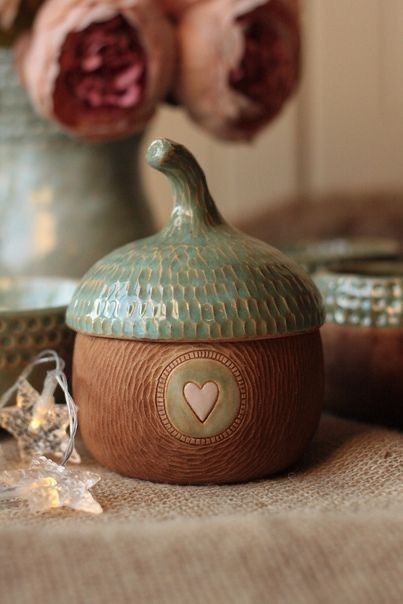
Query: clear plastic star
45	485
39	424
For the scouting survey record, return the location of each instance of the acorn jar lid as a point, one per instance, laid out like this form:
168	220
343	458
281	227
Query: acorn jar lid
198	279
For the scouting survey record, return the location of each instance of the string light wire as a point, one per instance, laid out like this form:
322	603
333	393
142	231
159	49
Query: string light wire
53	378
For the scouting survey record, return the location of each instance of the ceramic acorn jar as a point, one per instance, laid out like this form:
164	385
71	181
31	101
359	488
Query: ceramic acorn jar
198	356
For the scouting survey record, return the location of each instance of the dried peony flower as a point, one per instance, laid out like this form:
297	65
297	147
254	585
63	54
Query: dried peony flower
8	13
98	67
240	62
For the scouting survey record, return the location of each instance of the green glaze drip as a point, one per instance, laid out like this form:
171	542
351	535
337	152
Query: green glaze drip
195	211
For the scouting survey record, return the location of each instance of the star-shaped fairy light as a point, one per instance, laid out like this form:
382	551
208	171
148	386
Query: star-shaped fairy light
46	485
38	423
43	428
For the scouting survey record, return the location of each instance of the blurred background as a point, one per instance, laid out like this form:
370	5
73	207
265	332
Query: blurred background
339	142
329	165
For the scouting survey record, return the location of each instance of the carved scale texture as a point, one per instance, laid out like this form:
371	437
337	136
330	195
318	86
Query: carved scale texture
115	384
196	280
214	289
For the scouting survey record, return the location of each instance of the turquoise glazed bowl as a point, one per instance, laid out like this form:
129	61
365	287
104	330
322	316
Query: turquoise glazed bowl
32	311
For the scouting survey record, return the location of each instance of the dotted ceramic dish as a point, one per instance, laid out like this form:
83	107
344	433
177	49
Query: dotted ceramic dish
32	318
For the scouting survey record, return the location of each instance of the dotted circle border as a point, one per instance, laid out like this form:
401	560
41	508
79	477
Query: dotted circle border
160	396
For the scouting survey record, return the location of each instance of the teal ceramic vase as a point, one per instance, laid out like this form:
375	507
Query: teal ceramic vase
198	357
63	203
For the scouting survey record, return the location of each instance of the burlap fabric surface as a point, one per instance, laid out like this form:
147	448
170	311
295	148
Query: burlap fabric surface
329	531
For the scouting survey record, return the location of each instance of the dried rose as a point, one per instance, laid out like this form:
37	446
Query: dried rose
98	67
240	62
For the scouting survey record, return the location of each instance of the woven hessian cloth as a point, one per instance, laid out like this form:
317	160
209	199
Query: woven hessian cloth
329	531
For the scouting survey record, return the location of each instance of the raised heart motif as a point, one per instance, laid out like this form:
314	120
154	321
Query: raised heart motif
201	400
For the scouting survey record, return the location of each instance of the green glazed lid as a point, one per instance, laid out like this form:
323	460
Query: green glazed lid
198	279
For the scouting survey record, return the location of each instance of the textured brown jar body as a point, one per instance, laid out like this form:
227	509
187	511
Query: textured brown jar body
117	385
364	368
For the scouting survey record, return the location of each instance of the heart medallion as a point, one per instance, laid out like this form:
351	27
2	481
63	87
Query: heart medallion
201	400
201	397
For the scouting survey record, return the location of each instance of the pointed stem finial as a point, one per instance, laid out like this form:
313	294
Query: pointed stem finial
194	207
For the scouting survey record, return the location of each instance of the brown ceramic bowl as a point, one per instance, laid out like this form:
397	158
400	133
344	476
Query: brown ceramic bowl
363	339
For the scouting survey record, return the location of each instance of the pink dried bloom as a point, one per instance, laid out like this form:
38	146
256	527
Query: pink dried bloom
240	62
98	67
